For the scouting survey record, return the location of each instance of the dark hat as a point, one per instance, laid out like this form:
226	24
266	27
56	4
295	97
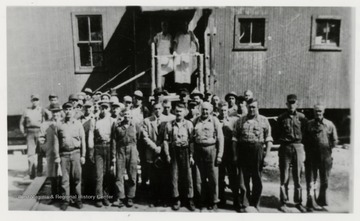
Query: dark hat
158	91
116	104
183	92
196	92
138	94
67	104
35	96
180	105
88	104
73	97
105	94
55	107
104	103
208	93
232	93
192	103
291	97
241	99
88	91
52	95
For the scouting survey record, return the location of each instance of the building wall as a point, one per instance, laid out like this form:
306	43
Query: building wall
287	66
40	54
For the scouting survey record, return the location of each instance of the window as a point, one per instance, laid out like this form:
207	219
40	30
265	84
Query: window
325	33
249	33
88	42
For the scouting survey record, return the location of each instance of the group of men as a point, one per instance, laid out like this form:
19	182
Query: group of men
185	149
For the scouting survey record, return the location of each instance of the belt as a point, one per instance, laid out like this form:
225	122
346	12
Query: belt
205	144
69	152
102	142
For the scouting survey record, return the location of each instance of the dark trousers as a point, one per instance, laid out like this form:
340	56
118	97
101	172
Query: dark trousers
127	157
205	157
181	177
291	155
251	162
71	175
55	185
88	178
145	167
229	169
318	162
103	173
156	191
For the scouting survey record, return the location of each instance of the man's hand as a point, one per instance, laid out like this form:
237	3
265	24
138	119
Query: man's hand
57	160
168	159
157	150
192	161
41	140
91	155
82	160
218	161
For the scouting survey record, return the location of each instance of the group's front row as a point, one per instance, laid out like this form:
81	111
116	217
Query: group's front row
185	160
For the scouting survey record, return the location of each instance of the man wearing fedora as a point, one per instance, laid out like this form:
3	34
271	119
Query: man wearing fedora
231	100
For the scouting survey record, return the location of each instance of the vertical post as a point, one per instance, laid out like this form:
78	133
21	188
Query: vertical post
201	73
158	76
153	66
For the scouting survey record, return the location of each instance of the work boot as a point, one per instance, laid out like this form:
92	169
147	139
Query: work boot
176	205
130	203
64	206
191	205
121	203
300	207
79	205
98	204
106	202
283	208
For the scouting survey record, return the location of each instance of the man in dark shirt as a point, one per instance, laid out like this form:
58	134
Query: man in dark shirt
291	153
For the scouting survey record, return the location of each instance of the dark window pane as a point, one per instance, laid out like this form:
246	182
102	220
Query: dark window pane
97	52
334	32
244	31
96	28
85	60
258	33
321	30
97	59
83	28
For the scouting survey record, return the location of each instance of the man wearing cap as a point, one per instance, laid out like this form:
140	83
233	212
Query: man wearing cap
198	97
30	123
99	139
250	133
231	100
51	148
128	102
152	135
193	111
88	94
105	97
167	110
96	96
227	166
208	97
158	95
72	150
320	138
81	97
292	126
179	150
139	111
208	152
53	99
125	135
116	108
74	99
88	179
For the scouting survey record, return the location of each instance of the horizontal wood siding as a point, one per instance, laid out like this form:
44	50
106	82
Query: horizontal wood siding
287	66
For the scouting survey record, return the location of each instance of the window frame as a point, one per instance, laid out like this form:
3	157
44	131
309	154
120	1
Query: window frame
78	68
248	47
324	47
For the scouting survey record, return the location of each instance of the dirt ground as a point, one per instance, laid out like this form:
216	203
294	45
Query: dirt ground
339	191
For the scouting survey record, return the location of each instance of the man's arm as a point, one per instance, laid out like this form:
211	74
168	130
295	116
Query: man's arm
82	137
267	136
220	138
166	141
146	137
22	124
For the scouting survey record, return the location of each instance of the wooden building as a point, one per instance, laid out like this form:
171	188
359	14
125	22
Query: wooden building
272	51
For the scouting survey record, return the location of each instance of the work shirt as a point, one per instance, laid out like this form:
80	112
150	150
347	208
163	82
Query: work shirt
208	132
179	133
71	136
233	111
33	117
140	113
321	133
102	129
252	130
291	126
228	124
125	134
